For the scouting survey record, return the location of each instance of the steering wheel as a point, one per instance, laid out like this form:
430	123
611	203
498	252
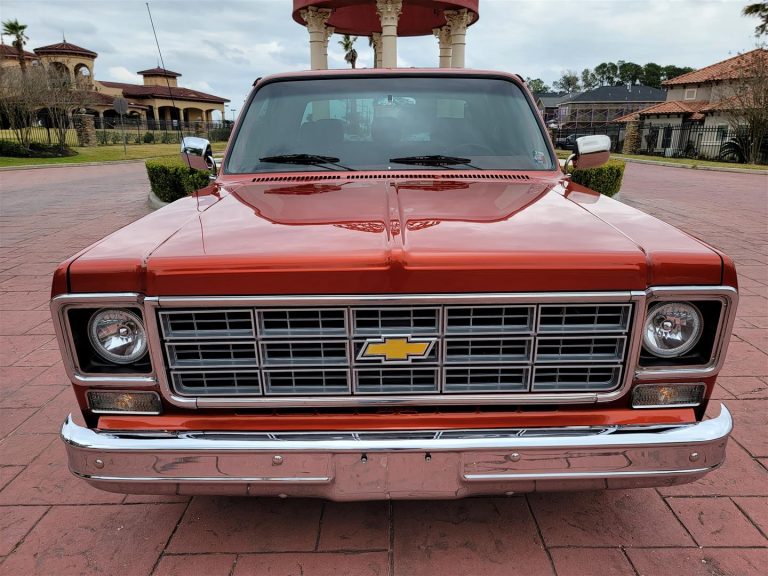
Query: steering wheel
472	149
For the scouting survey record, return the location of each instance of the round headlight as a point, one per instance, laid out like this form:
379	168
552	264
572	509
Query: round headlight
672	329
117	335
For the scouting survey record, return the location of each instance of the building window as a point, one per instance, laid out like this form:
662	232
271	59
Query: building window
690	94
722	132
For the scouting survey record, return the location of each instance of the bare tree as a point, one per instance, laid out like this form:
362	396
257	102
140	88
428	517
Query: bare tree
21	96
747	109
61	98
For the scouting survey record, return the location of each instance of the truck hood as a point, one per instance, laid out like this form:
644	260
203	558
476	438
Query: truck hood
399	235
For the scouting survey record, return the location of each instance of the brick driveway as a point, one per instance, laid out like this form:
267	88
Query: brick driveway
52	524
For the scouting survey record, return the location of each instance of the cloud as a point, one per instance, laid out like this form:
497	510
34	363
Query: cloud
226	48
122	74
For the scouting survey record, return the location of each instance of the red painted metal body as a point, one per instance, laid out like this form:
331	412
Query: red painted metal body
409	232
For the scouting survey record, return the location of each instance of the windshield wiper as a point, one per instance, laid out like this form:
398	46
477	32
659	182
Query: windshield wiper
306	160
434	160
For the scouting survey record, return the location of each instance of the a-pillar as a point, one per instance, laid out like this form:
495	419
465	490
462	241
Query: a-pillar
389	14
443	35
318	39
376	43
458	20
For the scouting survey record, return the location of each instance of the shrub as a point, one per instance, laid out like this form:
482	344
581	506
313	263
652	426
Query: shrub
102	137
13	149
149	137
605	179
170	138
171	180
116	137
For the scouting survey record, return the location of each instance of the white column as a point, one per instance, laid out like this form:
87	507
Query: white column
389	14
329	30
376	41
443	35
316	19
458	20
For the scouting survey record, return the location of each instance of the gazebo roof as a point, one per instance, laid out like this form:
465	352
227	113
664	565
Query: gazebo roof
359	18
65	48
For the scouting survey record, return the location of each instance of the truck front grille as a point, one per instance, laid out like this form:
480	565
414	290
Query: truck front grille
513	350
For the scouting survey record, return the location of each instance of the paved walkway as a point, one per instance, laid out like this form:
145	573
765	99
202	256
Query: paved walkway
52	524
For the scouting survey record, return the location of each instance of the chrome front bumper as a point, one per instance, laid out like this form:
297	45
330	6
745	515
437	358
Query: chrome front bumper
397	464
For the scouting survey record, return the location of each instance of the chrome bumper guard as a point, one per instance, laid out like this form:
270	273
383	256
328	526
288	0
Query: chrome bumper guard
396	464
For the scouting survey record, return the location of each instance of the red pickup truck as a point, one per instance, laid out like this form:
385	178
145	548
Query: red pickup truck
391	289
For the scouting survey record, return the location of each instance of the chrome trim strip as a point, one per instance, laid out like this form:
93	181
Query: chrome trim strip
403	463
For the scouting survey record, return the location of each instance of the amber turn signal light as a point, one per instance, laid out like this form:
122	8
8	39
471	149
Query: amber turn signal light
122	402
664	395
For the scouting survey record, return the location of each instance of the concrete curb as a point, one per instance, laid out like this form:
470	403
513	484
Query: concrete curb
71	165
694	167
154	201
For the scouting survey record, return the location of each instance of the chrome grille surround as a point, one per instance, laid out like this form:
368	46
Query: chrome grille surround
488	349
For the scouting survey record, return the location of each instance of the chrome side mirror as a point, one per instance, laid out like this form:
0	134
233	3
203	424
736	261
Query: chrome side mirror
591	151
197	154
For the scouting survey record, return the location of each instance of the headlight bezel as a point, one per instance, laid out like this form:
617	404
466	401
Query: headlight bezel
717	305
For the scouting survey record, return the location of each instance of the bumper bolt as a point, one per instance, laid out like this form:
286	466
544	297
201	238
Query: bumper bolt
98	463
277	460
364	458
693	457
428	457
514	457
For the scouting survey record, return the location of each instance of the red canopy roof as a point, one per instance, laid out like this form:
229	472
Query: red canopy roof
65	48
359	18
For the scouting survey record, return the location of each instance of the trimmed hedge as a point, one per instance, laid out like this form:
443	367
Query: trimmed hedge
605	179
171	180
11	148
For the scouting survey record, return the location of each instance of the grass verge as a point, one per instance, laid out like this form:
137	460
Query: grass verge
684	162
107	154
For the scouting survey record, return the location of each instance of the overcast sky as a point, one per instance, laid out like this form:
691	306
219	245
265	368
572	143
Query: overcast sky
221	46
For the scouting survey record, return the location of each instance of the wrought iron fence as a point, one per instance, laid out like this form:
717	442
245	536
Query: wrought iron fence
698	142
565	138
675	141
110	131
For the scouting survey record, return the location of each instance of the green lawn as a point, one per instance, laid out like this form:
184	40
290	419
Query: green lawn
107	154
690	162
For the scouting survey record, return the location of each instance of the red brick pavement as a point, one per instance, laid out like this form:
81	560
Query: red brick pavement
52	524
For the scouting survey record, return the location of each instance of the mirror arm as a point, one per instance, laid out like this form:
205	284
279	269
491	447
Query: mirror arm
568	160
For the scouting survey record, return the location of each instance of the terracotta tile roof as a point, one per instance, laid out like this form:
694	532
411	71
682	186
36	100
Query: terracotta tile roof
8	51
159	72
694	107
65	48
138	91
725	70
102	99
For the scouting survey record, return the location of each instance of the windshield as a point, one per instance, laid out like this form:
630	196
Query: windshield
401	123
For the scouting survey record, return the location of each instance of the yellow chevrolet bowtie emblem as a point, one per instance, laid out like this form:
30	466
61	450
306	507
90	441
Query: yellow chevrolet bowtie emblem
396	349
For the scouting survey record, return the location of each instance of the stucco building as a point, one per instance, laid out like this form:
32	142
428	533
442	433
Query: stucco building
157	101
700	108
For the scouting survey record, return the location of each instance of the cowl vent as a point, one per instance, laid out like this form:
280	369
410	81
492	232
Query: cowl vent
396	176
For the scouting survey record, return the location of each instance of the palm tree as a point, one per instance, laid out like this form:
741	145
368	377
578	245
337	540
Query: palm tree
760	10
16	30
348	44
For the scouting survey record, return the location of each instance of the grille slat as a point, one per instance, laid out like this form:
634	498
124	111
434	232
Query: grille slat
512	349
